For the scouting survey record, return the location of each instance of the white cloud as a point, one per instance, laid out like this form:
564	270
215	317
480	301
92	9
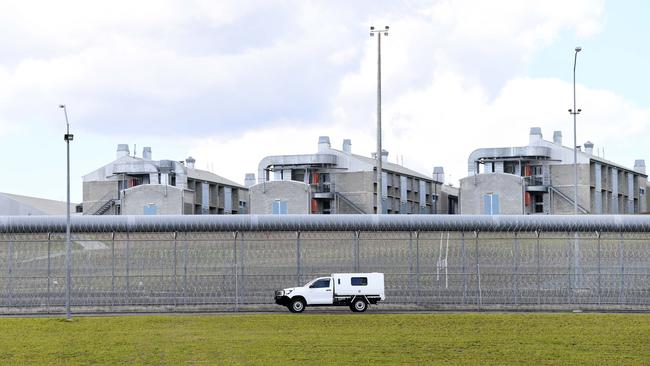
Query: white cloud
250	79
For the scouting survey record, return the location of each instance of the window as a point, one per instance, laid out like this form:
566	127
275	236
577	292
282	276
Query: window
150	209
280	207
359	281
324	283
491	204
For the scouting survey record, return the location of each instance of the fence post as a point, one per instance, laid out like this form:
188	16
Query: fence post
599	271
185	256
570	279
242	264
576	263
127	278
235	234
175	269
621	250
417	266
478	271
49	269
515	269
10	267
298	265
112	270
539	272
357	234
410	275
464	263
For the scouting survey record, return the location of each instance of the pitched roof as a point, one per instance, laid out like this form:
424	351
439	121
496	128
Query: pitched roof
199	174
46	206
390	166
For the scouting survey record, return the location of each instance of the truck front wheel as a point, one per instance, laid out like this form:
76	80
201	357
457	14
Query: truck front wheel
358	306
297	306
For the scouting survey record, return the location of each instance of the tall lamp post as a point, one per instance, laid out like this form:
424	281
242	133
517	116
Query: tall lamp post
374	31
68	247
575	113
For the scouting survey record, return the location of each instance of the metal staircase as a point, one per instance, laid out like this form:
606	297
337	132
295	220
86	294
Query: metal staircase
105	207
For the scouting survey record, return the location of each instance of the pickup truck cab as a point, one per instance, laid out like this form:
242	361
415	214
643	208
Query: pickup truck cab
356	290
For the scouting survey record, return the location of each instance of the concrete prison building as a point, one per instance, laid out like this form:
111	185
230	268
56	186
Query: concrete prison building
335	181
136	186
539	179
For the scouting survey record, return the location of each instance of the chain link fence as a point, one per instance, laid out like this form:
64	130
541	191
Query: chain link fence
168	264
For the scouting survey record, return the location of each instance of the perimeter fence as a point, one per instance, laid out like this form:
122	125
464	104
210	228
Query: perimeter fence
234	263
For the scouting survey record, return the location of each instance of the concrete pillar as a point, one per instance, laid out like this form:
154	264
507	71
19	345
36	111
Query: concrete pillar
598	197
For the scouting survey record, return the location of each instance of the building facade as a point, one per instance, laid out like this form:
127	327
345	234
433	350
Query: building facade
539	179
135	186
335	181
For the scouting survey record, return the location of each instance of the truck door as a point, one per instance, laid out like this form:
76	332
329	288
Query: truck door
320	292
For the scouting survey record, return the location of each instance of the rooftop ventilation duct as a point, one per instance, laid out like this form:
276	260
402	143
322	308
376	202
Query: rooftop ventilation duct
190	162
535	137
146	153
639	166
384	156
123	150
347	145
324	143
589	147
439	174
249	180
557	137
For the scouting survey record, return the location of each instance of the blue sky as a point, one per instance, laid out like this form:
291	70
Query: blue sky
230	82
615	59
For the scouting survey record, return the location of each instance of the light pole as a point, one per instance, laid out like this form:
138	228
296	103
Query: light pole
68	247
373	31
575	113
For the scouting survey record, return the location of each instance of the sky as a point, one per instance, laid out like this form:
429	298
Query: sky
230	82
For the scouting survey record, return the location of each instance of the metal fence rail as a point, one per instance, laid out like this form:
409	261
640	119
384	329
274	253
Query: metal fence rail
231	263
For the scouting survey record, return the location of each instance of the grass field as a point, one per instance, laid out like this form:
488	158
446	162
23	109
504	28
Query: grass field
341	339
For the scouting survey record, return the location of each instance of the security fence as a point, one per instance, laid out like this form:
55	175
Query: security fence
233	263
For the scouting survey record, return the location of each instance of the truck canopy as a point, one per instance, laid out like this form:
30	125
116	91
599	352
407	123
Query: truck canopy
366	284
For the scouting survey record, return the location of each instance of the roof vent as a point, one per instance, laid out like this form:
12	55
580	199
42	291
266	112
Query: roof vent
439	174
535	137
324	143
249	180
190	162
123	150
557	137
589	147
639	165
347	146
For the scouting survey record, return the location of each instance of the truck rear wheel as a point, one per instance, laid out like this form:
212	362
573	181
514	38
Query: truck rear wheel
297	306
359	306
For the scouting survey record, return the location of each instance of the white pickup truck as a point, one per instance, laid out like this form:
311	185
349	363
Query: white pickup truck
356	290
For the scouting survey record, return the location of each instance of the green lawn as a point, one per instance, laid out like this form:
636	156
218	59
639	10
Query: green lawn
341	339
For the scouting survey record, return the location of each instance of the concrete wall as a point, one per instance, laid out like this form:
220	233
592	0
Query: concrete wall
507	186
168	200
263	195
96	193
358	187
